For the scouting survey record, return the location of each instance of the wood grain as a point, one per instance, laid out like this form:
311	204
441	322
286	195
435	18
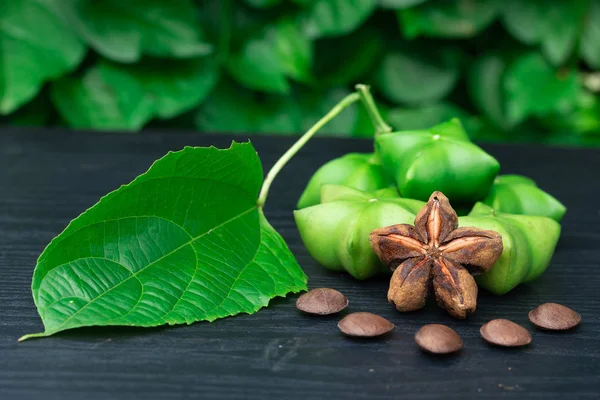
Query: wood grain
49	177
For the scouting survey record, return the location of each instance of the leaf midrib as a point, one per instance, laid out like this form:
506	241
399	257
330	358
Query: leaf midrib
134	275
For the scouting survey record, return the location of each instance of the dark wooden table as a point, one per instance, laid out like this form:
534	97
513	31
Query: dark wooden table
49	177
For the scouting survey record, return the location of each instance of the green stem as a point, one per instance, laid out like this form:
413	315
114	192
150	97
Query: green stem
369	103
345	102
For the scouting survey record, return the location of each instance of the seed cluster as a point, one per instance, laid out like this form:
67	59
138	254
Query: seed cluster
437	338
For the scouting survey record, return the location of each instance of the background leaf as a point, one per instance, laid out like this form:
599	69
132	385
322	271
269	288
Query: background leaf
399	4
282	56
348	59
402	74
460	18
426	117
581	118
294	50
153	27
263	3
234	110
105	98
590	39
177	86
184	242
487	88
36	45
265	60
533	87
125	97
337	17
552	23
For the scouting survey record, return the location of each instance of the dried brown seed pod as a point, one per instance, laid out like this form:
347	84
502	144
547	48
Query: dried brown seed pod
435	250
322	301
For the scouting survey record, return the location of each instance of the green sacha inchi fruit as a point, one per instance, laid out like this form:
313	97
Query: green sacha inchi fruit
336	232
529	242
438	159
357	170
518	194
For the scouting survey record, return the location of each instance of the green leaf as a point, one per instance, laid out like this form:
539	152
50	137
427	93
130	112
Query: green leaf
554	24
589	45
266	59
510	92
124	30
450	19
402	76
234	110
399	4
345	60
125	97
105	98
408	119
175	86
524	20
583	118
183	242
533	87
337	17
258	67
293	48
36	45
262	3
485	83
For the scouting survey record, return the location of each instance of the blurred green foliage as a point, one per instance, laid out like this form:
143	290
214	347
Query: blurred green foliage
512	70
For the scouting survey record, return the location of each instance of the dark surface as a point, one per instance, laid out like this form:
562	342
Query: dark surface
49	177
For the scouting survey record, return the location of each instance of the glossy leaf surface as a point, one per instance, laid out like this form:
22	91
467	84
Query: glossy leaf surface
183	242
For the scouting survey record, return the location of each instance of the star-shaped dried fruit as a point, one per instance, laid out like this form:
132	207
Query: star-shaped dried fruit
435	251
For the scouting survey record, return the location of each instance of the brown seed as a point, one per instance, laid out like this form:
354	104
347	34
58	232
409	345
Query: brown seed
322	301
503	332
438	339
553	316
364	324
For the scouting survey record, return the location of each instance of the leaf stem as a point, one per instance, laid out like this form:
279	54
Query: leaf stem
369	103
339	107
32	335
